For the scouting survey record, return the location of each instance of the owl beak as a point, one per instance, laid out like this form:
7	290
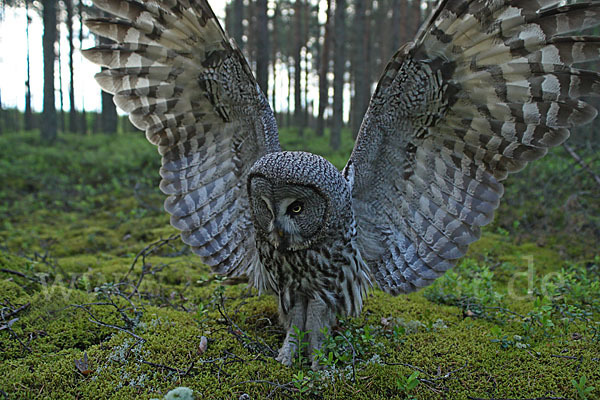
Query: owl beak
278	236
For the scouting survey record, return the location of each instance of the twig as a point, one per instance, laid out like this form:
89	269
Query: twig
353	356
449	374
96	321
409	366
568	357
146	251
506	310
22	275
240	336
581	163
13	312
13	333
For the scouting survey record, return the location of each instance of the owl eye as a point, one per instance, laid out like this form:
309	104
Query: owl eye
295	208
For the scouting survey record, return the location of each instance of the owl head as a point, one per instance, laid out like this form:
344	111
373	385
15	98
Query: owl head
297	199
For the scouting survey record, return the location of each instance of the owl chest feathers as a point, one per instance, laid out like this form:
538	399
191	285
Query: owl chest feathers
334	273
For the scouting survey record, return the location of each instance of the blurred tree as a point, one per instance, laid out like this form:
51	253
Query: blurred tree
71	31
108	116
48	128
28	111
323	71
83	124
360	55
61	97
274	48
414	18
236	19
262	50
339	69
298	36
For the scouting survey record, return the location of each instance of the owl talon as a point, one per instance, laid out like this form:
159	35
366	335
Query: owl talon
286	353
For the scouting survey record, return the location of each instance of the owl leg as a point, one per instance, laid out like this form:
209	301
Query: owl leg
295	317
318	316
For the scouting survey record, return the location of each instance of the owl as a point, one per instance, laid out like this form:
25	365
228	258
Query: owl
485	87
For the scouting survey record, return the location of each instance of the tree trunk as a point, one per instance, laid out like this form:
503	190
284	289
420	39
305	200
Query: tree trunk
238	22
262	51
415	18
251	41
288	120
72	109
297	65
49	113
398	31
108	117
323	81
306	64
274	46
339	68
28	111
83	124
361	55
61	97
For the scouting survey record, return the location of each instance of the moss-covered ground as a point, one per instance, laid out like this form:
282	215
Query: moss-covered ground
100	299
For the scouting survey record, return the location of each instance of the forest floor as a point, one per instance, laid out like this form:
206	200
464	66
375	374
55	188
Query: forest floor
100	299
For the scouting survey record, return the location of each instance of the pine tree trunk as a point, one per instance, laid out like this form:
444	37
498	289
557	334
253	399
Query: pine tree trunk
238	22
251	42
415	17
274	46
288	120
360	55
262	51
339	64
73	110
108	117
61	97
398	31
28	111
49	113
306	64
83	124
323	81
297	67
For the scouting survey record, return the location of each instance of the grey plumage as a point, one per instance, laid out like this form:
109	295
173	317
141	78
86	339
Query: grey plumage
486	86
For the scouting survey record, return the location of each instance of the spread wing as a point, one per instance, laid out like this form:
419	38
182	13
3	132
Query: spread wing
487	86
183	82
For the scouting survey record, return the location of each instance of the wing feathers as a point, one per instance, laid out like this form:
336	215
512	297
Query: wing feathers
176	73
487	87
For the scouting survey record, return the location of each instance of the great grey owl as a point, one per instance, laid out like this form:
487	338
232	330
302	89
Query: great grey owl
486	86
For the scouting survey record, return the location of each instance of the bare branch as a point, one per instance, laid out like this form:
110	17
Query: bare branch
581	163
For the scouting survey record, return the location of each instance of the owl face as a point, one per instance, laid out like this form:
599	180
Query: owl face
289	216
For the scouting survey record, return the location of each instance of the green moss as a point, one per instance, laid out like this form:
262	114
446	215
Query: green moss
75	242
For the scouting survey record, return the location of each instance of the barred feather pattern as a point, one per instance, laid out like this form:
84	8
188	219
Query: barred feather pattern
486	87
183	82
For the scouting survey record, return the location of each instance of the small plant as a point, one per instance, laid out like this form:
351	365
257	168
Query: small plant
582	390
301	382
302	344
408	384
